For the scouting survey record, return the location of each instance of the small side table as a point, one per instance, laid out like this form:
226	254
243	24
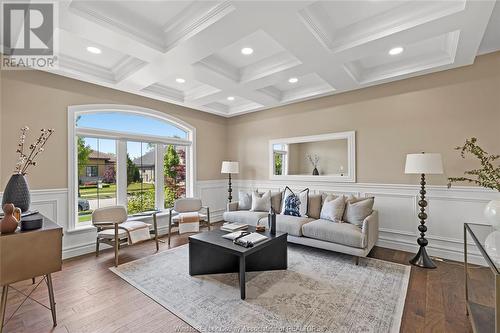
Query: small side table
483	308
28	254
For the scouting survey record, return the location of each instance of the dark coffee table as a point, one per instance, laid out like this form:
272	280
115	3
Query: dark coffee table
209	253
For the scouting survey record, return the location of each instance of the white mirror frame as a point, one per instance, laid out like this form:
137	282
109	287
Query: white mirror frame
350	176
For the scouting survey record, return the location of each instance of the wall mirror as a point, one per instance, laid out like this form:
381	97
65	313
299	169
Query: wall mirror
325	157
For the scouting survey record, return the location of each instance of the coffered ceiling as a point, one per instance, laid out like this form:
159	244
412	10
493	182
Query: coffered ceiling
192	53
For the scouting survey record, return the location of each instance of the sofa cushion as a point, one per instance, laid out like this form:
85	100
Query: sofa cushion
357	209
244	217
244	200
276	201
289	224
334	232
333	208
261	202
295	204
314	205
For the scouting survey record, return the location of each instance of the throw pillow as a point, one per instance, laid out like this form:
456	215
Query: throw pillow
295	204
245	200
276	201
314	205
357	209
261	202
333	208
329	196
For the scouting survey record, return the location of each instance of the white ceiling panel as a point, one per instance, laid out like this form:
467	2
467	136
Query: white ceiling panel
423	55
76	47
329	46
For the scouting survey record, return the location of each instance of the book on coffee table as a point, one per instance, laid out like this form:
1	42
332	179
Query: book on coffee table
231	227
252	237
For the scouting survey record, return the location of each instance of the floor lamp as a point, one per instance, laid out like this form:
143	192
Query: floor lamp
423	164
230	167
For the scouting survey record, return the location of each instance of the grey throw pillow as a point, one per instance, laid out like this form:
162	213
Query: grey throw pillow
276	201
261	202
314	205
245	200
357	209
333	208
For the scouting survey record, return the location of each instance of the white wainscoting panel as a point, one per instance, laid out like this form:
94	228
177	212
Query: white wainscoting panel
397	204
213	193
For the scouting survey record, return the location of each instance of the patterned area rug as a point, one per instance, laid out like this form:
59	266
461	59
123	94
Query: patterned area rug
321	291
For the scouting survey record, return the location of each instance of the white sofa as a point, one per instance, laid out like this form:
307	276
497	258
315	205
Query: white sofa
313	231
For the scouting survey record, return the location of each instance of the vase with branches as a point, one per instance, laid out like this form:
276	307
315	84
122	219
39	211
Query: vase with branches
314	160
487	176
17	191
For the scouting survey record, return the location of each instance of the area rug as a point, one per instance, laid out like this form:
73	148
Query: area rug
321	291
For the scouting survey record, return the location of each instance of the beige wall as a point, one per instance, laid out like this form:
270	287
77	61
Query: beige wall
432	113
38	99
332	154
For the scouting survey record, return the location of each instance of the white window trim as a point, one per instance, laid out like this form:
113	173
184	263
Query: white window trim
75	110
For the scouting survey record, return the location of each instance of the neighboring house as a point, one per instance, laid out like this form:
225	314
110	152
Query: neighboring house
146	165
98	168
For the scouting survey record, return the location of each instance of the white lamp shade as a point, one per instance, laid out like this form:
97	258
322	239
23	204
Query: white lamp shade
427	163
230	167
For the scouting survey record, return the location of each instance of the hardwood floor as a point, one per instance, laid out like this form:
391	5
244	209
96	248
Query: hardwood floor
90	298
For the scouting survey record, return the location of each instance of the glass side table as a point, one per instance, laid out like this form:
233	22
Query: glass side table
482	284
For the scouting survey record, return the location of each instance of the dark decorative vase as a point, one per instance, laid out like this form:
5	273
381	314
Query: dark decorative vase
271	221
315	172
17	192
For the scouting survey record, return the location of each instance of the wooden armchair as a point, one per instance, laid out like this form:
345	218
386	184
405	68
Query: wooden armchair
110	228
187	205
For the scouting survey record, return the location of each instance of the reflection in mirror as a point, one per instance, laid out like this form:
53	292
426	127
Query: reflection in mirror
317	158
326	156
280	152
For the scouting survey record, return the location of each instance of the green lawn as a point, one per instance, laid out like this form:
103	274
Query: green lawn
110	191
134	187
105	192
85	217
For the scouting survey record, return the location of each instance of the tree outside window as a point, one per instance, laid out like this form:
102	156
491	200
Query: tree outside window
174	168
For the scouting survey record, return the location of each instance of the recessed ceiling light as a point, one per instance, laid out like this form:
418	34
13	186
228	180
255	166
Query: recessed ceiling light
396	50
180	80
94	50
230	98
293	80
246	50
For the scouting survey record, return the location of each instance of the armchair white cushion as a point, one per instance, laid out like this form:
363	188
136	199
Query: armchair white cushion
114	230
187	205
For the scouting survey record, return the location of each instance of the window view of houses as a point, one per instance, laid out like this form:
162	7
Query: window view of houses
97	168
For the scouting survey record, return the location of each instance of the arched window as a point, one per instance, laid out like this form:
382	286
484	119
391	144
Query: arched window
136	157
